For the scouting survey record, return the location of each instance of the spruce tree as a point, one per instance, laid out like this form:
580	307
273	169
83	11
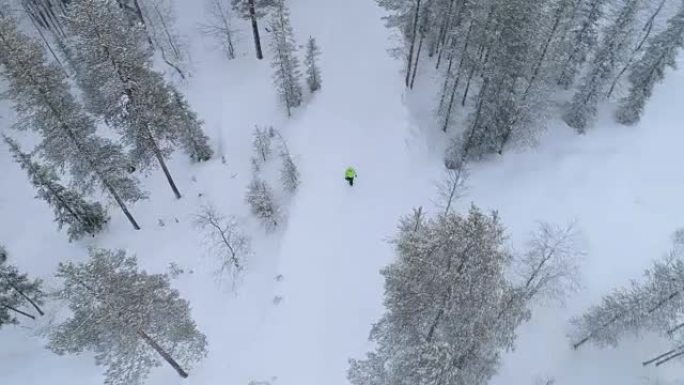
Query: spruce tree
313	73
45	105
503	110
130	319
660	53
70	207
287	75
115	73
262	202
614	46
17	293
581	40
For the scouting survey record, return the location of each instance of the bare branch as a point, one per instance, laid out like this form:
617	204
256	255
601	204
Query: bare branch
224	238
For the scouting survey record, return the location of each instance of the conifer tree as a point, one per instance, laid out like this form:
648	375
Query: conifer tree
452	305
653	304
660	53
581	41
313	73
45	105
114	71
130	319
70	208
262	202
17	292
612	50
287	75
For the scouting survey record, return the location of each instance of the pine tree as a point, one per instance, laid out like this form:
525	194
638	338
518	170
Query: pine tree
253	10
660	53
124	89
262	146
193	140
289	174
70	208
262	203
450	308
581	41
42	98
313	73
130	319
17	291
287	75
503	110
612	50
655	305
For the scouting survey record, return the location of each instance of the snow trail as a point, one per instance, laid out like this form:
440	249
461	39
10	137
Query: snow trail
337	238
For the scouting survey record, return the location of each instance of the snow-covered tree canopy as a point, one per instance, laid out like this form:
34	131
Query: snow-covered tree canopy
130	319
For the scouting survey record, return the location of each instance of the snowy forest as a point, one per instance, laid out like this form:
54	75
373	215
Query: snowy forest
367	192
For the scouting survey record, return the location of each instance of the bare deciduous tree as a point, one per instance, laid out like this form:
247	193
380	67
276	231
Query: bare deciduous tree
219	26
224	239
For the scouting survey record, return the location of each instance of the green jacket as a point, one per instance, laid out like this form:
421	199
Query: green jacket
350	173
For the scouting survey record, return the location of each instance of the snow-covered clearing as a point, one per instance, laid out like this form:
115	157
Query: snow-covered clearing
621	186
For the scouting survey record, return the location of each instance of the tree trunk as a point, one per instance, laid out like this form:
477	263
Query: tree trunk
45	40
255	30
414	32
18	311
447	75
457	80
654	359
469	142
33	303
547	43
648	28
162	163
681	353
166	356
415	65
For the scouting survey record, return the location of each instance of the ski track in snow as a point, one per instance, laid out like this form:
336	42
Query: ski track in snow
621	185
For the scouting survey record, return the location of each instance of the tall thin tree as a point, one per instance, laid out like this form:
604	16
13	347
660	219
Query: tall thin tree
42	97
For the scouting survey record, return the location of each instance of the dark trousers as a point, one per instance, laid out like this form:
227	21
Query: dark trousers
350	180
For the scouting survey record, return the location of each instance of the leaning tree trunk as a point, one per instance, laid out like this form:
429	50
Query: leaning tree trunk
414	32
32	302
415	65
25	314
166	356
160	158
648	27
255	30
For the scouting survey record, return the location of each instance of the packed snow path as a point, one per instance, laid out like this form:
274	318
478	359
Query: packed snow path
336	239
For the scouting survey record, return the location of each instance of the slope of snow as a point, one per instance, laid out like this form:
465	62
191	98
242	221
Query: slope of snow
622	186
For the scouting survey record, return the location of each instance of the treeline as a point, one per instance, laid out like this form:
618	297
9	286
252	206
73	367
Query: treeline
508	65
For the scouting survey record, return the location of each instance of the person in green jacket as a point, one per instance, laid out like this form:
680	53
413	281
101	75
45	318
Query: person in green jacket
349	175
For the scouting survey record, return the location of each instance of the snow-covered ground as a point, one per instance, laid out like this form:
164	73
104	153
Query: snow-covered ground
621	186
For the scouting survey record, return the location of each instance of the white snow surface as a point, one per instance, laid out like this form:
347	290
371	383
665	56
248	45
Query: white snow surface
623	188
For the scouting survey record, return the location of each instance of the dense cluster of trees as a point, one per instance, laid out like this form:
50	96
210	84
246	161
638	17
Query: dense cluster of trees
264	201
507	65
455	297
110	60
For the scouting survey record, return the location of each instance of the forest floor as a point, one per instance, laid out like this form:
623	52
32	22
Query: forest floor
311	290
